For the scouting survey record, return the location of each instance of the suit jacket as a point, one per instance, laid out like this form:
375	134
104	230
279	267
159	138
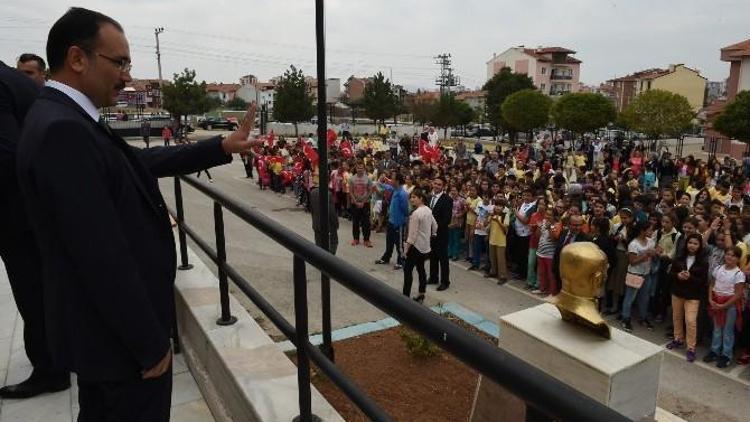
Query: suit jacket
443	213
107	247
580	237
17	93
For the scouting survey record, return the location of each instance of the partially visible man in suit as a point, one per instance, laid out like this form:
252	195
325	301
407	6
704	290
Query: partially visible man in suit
108	253
18	249
570	235
442	209
33	66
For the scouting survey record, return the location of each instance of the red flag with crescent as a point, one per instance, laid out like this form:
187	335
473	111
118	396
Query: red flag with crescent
346	149
331	137
311	154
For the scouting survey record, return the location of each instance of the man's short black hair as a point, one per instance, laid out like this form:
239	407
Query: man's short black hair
29	57
77	27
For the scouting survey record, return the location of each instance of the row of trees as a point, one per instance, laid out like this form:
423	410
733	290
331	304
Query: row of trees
514	105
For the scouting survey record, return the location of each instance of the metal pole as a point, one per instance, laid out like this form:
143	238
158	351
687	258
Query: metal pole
158	31
184	264
221	255
325	238
303	360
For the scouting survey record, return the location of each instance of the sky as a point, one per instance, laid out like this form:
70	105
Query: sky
223	40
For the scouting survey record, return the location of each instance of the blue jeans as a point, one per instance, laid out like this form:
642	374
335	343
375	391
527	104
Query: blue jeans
480	245
642	294
722	340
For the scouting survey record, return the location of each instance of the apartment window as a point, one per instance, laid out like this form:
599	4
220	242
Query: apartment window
544	71
648	86
543	85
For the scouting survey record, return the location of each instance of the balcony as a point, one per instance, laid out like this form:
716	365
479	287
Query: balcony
557	76
559	92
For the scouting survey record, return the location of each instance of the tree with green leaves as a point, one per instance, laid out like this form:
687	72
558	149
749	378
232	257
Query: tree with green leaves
734	121
658	112
526	110
236	103
464	113
293	102
185	96
583	112
421	109
379	99
446	113
498	88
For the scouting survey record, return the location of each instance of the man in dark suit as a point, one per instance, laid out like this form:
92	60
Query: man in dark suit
570	235
18	249
108	253
442	209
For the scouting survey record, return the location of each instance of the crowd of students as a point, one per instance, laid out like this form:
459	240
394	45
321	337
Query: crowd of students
676	230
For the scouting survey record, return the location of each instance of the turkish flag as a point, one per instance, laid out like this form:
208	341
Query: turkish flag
331	137
428	152
346	149
311	154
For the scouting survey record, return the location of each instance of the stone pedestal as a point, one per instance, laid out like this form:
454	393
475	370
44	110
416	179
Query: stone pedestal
622	372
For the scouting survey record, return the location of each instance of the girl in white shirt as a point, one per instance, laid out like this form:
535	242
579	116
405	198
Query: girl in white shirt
422	226
724	303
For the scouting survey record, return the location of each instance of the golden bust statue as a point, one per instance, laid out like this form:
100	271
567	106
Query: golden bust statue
583	268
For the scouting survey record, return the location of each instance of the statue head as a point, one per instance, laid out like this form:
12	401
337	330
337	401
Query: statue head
583	268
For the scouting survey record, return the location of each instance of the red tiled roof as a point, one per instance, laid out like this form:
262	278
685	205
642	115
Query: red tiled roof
471	94
736	51
550	50
222	87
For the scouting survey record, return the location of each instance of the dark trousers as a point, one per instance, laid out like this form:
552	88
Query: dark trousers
134	400
414	259
166	142
394	153
248	163
393	237
22	261
146	140
361	219
439	261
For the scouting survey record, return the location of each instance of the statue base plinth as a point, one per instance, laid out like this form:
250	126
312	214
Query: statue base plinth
621	372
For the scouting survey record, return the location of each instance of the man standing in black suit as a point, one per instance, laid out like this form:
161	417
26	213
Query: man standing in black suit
442	209
108	252
570	235
18	249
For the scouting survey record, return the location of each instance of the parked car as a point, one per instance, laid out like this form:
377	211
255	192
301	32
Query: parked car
481	133
218	123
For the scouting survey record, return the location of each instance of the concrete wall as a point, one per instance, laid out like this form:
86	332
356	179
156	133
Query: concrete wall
684	82
510	57
744	80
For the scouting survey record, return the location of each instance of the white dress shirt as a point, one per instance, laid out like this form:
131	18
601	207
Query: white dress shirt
435	199
422	226
79	97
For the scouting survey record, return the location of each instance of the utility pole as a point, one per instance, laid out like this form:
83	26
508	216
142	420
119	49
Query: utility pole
446	79
158	31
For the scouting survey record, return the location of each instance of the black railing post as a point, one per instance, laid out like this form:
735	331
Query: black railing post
221	255
184	264
303	360
325	238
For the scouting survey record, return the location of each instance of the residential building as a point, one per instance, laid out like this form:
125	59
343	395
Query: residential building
354	88
738	55
715	90
475	99
222	91
677	78
333	89
553	69
141	92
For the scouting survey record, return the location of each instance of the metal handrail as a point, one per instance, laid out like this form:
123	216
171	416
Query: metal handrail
543	394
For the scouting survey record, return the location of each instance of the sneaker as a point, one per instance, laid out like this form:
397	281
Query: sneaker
536	292
722	362
210	180
710	357
676	344
472	268
627	326
355	242
647	324
690	356
368	244
381	261
659	319
398	267
502	281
